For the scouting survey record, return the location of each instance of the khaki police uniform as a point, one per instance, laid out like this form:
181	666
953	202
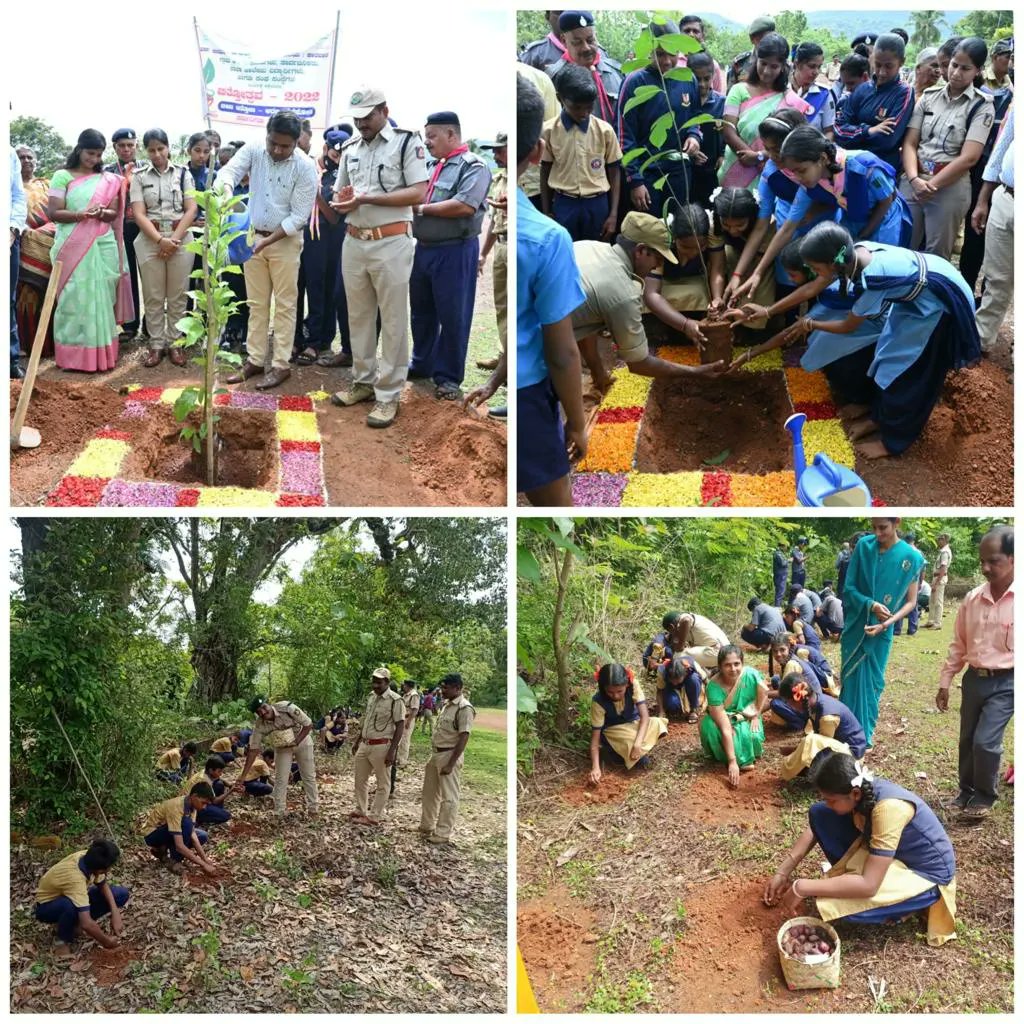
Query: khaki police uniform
945	126
614	298
530	181
940	577
441	792
499	266
384	714
376	260
288	717
164	281
411	701
580	160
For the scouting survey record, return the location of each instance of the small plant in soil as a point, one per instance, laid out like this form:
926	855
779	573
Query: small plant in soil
202	326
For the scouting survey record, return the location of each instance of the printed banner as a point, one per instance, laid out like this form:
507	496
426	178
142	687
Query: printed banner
239	88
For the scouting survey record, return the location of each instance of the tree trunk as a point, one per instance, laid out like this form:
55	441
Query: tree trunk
216	667
562	573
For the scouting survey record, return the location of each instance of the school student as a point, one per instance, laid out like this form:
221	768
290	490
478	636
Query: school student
736	217
621	727
680	682
256	780
548	375
171	831
807	61
829	617
75	893
225	746
705	164
581	169
215	813
890	856
783	656
765	622
175	765
853	72
828	725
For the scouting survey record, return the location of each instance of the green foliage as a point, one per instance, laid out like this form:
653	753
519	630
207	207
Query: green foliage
990	25
927	28
50	148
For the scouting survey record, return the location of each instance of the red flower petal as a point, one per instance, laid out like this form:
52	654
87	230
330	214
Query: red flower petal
114	435
188	497
626	414
716	488
295	403
145	394
77	491
300	500
300	446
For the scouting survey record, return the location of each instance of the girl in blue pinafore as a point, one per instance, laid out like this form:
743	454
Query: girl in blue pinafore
889	853
880	589
828	724
930	329
620	725
791	664
681	686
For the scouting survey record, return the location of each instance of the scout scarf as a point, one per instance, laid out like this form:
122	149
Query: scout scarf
439	166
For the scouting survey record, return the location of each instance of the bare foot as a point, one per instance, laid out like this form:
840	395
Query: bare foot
854	412
63	950
872	450
862	428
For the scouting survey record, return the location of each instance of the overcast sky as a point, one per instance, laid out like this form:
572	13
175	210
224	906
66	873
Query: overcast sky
142	68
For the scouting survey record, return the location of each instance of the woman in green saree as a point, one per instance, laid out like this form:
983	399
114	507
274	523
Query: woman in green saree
880	589
731	731
93	291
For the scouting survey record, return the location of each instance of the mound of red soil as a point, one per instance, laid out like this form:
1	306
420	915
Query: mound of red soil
612	789
110	966
200	880
711	799
240	829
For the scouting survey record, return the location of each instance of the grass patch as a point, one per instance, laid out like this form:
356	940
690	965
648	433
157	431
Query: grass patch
486	758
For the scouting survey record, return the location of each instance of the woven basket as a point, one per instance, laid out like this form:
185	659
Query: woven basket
799	975
281	738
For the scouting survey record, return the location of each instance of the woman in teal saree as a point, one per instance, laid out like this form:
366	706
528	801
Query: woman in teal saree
880	589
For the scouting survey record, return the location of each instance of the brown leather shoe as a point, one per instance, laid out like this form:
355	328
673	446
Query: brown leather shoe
272	379
178	356
248	370
154	358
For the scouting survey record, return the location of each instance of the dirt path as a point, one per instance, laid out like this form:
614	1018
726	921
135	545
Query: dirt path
492	718
434	455
304	918
644	894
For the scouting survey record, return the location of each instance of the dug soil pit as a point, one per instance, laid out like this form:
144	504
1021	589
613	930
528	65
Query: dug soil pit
240	829
737	423
730	938
718	343
612	789
559	948
201	880
247	455
109	966
758	799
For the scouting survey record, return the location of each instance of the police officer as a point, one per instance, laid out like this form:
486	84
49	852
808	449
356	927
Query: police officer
581	47
321	259
411	700
381	177
542	52
496	237
376	748
125	143
285	727
945	138
443	773
442	288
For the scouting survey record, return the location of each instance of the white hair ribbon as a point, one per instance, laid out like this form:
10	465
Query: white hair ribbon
863	775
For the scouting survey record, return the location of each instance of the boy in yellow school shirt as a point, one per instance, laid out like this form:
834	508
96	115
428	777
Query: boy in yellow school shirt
171	831
75	893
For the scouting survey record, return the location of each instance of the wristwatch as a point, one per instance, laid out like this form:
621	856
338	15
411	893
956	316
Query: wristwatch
761	157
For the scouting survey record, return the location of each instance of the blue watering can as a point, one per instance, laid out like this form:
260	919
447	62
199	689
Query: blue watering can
824	482
240	248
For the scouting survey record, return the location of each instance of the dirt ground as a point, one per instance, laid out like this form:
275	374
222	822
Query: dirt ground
643	894
323	917
434	455
964	457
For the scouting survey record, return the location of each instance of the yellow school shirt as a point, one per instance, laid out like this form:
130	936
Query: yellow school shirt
580	159
169	813
221	746
65	878
597	714
258	770
170	760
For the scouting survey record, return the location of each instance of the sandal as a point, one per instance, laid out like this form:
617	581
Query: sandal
307	357
448	392
335	359
691	718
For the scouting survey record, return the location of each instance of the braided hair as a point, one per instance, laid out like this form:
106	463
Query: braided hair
806	144
777	126
688	220
831	243
835	775
613	674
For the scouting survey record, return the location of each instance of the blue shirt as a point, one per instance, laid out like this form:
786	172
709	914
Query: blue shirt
768	618
1000	164
635	127
869	105
712	142
547	287
19	204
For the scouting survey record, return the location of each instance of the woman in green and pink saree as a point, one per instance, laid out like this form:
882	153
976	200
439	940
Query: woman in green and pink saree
748	103
93	291
880	589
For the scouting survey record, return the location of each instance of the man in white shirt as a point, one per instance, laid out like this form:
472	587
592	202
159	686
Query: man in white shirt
939	576
282	189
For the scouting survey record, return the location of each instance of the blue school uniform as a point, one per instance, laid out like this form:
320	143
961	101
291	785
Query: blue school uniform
658	638
849	730
683	100
712	145
162	835
547	290
867	181
793	718
612	716
690	684
924	847
869	105
930	330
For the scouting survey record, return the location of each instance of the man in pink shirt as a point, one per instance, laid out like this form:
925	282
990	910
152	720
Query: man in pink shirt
693	25
983	641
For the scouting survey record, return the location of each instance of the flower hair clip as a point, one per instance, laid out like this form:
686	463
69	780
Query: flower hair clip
863	775
840	256
629	674
800	691
714	195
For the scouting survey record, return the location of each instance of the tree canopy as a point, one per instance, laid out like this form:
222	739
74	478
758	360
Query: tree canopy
50	148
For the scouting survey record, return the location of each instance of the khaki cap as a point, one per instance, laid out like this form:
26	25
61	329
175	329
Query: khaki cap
381	673
364	99
644	229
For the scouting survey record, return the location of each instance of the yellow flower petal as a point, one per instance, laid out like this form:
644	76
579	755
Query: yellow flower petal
629	389
297	426
235	497
759	364
828	436
318	396
663	490
102	458
170	395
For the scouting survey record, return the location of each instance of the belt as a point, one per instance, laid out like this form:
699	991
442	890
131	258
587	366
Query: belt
1008	189
398	227
987	672
502	236
377	743
443	750
574	195
262	234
